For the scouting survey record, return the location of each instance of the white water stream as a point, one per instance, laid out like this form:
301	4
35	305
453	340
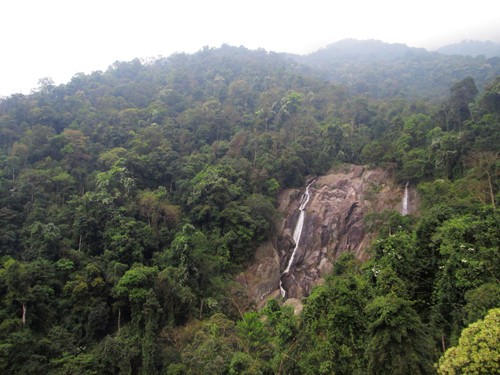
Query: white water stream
406	198
297	232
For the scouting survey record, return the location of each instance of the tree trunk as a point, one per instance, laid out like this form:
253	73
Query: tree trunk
492	195
255	153
25	309
119	319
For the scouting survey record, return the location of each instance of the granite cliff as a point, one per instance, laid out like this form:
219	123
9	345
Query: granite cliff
333	224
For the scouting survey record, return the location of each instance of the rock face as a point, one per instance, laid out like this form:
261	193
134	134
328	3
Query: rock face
333	224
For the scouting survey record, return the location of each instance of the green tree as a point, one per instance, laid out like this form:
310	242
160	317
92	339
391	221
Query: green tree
128	240
334	323
461	95
212	346
190	252
88	313
398	341
254	336
468	245
478	350
211	190
154	206
136	285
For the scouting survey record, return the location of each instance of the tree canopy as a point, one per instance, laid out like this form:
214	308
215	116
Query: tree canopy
131	199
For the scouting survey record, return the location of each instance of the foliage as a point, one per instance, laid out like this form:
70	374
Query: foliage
130	199
334	322
477	351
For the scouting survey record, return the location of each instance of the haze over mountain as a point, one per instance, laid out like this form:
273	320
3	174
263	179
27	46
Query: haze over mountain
402	70
58	39
472	48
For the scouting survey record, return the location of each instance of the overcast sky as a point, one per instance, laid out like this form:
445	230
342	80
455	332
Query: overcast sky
59	38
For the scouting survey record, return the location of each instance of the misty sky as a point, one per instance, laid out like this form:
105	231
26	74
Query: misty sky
58	38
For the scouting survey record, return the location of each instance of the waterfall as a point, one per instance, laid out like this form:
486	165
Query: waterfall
297	232
406	198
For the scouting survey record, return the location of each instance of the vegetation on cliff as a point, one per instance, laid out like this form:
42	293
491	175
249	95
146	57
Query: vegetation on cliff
129	198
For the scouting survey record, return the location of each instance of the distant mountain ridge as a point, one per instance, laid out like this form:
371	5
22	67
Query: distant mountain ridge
365	67
386	70
472	48
372	49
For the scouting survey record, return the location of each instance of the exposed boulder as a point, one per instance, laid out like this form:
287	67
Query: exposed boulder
333	225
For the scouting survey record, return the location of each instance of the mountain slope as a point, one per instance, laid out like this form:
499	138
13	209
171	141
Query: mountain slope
387	70
130	199
472	48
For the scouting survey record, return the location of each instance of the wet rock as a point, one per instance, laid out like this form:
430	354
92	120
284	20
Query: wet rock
296	304
262	278
333	225
325	267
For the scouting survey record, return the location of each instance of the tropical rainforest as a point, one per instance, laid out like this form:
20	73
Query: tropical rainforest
130	199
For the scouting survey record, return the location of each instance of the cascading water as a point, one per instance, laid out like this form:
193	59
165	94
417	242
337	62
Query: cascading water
405	210
297	232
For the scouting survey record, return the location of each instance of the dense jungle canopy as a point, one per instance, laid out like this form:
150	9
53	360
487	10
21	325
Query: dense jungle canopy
130	199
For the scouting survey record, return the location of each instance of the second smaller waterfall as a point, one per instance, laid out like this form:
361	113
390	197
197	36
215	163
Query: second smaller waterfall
406	206
297	232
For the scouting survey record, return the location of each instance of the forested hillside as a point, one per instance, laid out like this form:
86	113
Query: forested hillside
388	70
130	199
472	48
